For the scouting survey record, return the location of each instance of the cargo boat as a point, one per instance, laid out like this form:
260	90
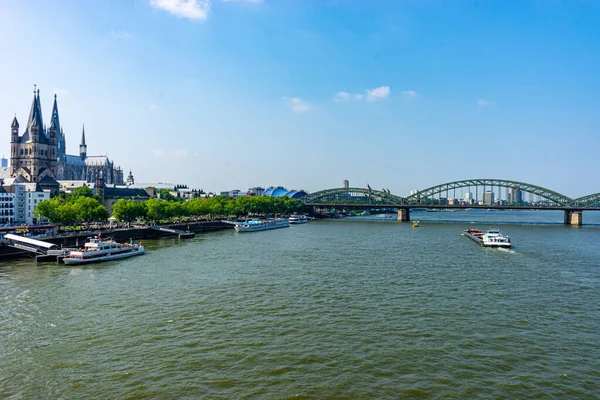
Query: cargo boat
491	238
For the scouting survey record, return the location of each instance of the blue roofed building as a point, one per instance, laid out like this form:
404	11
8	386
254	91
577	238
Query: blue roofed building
280	191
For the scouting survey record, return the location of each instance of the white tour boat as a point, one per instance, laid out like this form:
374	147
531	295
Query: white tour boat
261	224
491	238
97	250
297	219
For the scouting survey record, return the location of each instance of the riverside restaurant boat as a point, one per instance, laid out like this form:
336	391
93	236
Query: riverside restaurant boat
297	219
261	224
491	238
97	250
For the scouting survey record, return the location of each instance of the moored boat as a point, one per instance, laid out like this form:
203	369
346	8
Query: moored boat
261	224
491	238
297	219
97	250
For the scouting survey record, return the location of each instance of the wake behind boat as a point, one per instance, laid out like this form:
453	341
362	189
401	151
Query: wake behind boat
491	238
261	224
97	250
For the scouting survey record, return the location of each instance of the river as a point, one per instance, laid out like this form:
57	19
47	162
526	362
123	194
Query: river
330	309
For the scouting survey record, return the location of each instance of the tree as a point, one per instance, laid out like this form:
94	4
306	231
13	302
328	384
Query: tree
82	191
90	210
127	210
47	209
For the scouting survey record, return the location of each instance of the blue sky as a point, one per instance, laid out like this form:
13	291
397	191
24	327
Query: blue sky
304	93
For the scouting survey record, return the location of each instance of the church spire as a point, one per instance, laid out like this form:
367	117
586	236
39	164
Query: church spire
83	146
15	123
55	119
35	114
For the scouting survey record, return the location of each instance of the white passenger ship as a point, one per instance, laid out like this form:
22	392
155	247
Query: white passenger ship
261	225
97	250
491	238
297	219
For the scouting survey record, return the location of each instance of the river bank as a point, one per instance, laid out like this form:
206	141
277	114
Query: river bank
120	235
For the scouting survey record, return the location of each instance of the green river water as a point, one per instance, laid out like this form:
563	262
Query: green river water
325	310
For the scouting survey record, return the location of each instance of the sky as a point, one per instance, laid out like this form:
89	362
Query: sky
397	94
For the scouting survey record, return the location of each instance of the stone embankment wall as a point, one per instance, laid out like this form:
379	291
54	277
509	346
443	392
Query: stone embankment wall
120	235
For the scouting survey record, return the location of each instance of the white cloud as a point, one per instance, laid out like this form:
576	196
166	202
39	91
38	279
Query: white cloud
120	35
190	9
153	107
483	103
410	93
378	93
342	96
345	96
297	104
61	92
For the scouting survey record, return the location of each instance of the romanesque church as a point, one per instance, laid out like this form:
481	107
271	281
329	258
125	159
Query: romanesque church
39	154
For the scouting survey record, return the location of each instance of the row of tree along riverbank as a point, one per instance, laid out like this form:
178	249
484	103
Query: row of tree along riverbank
83	207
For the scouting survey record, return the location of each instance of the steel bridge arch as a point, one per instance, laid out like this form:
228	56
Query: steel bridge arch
345	195
587	201
547	194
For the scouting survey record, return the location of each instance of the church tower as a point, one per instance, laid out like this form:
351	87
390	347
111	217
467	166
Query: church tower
14	143
83	146
33	155
130	180
61	147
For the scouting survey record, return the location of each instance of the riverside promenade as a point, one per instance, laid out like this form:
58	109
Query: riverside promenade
135	232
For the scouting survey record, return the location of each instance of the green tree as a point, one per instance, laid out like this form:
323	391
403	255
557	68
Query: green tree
47	209
127	210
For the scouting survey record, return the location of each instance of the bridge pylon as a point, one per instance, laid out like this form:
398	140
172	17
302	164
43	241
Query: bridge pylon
573	217
403	214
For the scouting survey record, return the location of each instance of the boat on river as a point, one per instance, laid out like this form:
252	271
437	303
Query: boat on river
297	219
261	224
491	238
97	250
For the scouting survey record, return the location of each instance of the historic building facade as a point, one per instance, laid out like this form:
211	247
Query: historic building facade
41	154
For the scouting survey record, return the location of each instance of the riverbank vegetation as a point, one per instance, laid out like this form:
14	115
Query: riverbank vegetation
82	207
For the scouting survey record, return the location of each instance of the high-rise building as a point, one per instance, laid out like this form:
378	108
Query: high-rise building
469	198
3	162
345	184
514	196
488	198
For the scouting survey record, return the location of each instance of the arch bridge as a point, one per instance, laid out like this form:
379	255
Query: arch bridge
474	193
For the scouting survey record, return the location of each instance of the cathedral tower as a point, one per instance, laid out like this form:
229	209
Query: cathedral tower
33	155
83	146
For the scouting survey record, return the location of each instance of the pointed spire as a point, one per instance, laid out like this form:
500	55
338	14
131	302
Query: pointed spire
83	136
35	114
15	123
55	120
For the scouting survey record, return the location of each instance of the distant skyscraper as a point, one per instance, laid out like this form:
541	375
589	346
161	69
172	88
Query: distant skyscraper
514	196
469	197
345	184
488	198
3	162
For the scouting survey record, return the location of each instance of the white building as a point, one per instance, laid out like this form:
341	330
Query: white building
25	197
469	198
7	207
